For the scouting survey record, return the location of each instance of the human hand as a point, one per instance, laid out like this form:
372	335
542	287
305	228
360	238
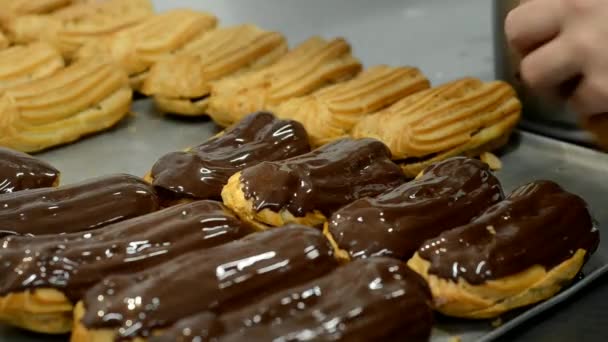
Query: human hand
564	49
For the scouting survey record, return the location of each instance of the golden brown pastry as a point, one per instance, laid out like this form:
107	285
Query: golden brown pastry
308	188
21	64
50	280
72	27
518	252
4	43
12	8
84	98
312	65
137	48
181	84
464	117
330	113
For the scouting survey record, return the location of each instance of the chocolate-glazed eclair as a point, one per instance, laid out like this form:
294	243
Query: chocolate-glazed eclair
219	279
78	207
397	222
366	300
309	188
20	171
44	276
202	172
518	252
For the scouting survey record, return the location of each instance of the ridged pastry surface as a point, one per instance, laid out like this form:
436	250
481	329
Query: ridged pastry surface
441	118
84	98
138	47
331	112
72	27
21	7
211	56
22	64
310	66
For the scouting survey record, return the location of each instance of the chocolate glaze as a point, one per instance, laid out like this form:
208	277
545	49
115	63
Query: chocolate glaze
73	263
218	279
20	171
397	222
538	224
324	179
366	300
78	207
203	171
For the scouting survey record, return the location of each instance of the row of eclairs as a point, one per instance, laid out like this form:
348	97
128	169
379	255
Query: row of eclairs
253	235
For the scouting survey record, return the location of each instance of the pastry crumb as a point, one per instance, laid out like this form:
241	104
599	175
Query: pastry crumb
497	322
492	160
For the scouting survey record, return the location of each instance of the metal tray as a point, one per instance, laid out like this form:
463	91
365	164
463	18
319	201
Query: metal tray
137	143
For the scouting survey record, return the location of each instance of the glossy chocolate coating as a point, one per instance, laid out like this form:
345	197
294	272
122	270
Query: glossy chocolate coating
20	171
397	222
377	299
78	207
72	263
324	179
538	224
218	279
203	171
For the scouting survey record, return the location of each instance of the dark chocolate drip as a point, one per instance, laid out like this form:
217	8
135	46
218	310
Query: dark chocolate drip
397	222
538	224
78	207
324	179
73	263
203	171
366	300
218	279
20	171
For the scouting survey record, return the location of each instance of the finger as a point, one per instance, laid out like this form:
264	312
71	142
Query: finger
590	97
551	65
533	23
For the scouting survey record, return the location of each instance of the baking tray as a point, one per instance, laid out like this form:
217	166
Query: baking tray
138	142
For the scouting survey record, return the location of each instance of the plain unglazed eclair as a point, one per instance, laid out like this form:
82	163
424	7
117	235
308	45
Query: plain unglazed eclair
309	188
181	83
464	117
22	64
19	171
330	113
219	279
44	276
396	223
22	7
76	207
311	65
377	299
71	27
84	98
202	171
137	48
518	252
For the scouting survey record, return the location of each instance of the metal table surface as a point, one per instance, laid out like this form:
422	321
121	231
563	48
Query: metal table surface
446	39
